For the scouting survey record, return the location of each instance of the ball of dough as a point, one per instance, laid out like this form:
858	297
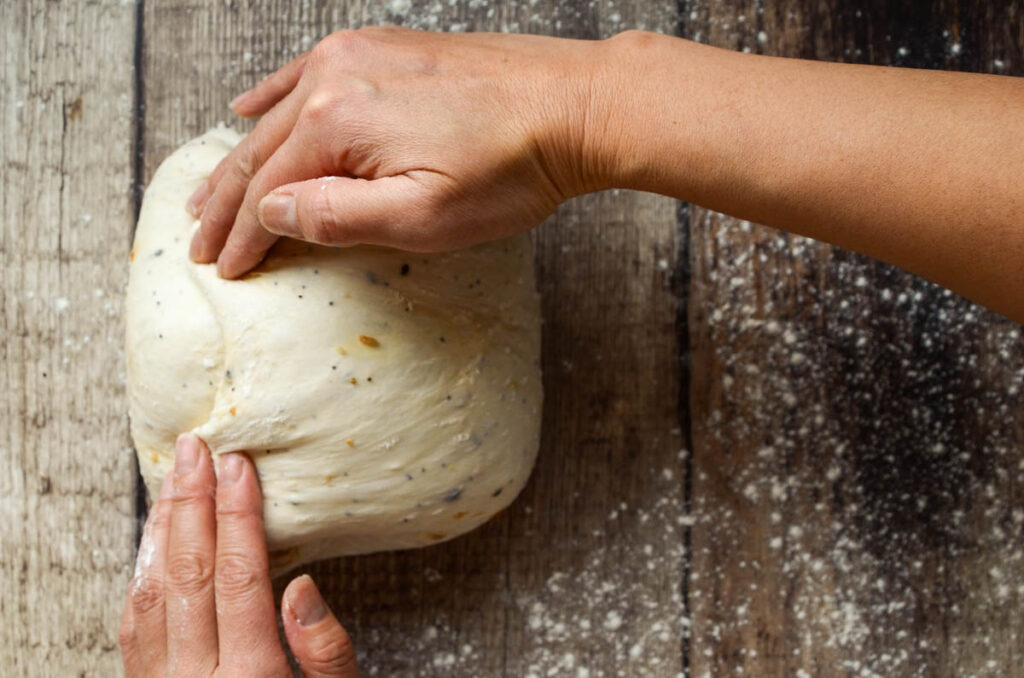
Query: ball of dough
389	400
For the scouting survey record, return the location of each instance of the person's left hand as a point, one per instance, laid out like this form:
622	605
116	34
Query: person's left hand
201	602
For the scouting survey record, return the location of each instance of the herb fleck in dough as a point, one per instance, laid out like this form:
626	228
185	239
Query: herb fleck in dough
389	400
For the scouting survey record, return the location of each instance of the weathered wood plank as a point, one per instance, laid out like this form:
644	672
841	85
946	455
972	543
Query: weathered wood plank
66	471
858	433
588	563
858	437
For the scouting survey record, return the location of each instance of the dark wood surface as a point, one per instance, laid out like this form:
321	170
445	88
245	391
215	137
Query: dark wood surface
857	432
762	456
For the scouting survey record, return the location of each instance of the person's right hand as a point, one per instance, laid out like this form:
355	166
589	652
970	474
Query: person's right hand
201	604
432	142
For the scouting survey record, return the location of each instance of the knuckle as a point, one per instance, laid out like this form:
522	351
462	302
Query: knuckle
318	58
237	576
147	594
248	161
341	46
189	496
188	573
347	39
317	222
325	50
235	511
319	106
333	654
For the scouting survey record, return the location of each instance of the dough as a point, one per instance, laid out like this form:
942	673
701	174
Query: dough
389	400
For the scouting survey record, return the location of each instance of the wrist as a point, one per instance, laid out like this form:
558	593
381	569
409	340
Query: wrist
652	122
618	122
582	125
621	121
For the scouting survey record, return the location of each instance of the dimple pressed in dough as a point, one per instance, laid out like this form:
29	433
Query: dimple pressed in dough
390	400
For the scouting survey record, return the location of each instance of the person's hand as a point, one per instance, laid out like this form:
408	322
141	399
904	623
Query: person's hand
431	142
201	602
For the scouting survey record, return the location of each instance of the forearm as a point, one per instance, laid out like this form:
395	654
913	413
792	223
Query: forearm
922	169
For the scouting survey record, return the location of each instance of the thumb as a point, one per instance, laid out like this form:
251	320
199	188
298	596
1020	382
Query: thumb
318	641
342	211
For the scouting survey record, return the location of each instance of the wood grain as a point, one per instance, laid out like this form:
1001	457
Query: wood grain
858	449
505	600
66	466
846	502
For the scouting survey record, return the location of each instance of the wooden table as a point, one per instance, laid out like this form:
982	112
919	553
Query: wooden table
762	456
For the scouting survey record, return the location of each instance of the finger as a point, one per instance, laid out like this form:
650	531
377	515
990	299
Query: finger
340	211
319	643
248	241
246	620
129	642
219	198
191	619
270	90
146	593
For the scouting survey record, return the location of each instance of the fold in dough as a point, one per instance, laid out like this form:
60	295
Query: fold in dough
390	400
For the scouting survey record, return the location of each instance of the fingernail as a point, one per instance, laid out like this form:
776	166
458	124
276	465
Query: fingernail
227	270
276	213
234	102
230	468
198	200
195	249
308	607
186	454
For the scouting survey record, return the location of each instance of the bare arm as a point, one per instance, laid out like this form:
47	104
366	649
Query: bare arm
440	141
923	169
